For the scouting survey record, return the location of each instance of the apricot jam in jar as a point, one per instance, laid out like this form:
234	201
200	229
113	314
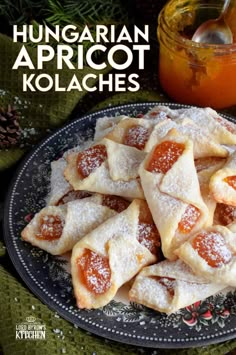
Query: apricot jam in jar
190	72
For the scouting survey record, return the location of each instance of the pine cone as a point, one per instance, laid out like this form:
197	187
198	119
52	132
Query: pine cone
10	130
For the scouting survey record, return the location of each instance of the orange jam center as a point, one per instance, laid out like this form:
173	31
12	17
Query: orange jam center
90	159
136	136
164	156
168	283
189	219
231	181
95	272
212	248
51	228
116	203
226	214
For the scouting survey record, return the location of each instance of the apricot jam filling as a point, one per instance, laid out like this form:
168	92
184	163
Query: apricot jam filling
226	214
90	159
136	136
189	219
51	227
116	203
95	272
231	181
164	156
212	248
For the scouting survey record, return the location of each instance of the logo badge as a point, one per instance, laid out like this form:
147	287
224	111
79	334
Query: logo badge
30	329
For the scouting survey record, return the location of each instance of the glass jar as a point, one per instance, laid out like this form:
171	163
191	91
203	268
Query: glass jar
190	72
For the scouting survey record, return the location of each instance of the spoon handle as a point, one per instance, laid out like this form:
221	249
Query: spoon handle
227	7
228	15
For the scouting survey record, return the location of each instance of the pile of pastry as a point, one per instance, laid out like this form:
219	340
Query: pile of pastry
150	202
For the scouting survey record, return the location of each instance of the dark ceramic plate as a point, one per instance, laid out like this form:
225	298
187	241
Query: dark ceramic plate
210	321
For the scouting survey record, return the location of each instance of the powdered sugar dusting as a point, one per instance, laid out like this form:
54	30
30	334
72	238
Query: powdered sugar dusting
136	136
189	219
212	248
90	159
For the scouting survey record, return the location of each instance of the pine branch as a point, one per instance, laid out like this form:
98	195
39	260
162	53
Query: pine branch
22	11
62	13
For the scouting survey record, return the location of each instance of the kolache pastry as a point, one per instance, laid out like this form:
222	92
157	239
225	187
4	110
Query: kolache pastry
112	254
61	191
106	124
169	286
211	253
132	132
172	191
59	187
93	168
223	182
56	229
208	121
203	142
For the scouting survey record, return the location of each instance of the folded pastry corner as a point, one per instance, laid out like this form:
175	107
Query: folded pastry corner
223	182
132	132
223	131
89	170
170	183
211	253
106	124
169	286
204	144
123	160
113	254
56	229
59	187
204	177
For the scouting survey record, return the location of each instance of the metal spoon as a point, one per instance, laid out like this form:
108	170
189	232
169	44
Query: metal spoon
215	31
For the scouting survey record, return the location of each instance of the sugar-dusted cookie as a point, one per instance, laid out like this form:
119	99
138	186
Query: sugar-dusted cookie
106	124
207	119
132	132
223	182
204	144
113	254
57	229
211	253
211	122
59	187
170	183
169	286
93	169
